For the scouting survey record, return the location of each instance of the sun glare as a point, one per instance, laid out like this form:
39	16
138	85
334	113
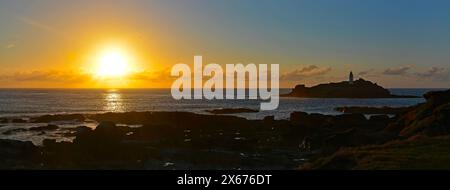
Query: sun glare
112	63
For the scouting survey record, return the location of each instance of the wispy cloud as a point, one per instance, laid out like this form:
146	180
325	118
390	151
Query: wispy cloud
10	45
366	72
309	71
397	71
153	76
46	76
435	73
39	25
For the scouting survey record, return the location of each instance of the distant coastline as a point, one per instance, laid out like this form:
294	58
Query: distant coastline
346	89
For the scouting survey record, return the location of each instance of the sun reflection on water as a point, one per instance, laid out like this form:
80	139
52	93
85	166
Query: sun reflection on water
113	101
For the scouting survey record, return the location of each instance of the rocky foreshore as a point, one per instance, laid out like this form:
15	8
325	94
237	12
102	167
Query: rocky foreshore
181	140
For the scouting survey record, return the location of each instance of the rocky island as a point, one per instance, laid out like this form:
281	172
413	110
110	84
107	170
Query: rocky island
346	89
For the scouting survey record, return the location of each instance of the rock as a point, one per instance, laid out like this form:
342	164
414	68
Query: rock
379	118
3	120
311	120
11	131
346	120
232	110
49	142
268	120
80	129
50	118
372	110
18	120
359	89
18	155
105	133
430	118
44	128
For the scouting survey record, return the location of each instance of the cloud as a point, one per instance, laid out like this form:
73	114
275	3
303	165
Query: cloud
430	72
10	46
152	76
309	71
397	71
39	25
46	76
437	73
366	72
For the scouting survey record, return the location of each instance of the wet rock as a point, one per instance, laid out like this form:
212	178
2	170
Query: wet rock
232	110
44	128
269	120
80	129
349	120
50	118
11	131
18	120
379	119
13	147
105	133
372	110
18	154
49	142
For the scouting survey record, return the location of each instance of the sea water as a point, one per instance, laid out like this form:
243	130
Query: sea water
29	102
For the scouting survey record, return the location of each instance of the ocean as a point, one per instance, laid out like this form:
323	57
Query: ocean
30	102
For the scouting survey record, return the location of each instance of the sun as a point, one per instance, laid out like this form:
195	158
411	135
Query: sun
112	62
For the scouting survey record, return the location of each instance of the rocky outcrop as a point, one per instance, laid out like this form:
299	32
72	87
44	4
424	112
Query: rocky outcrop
18	155
419	140
431	118
358	89
418	153
373	110
232	110
62	117
44	128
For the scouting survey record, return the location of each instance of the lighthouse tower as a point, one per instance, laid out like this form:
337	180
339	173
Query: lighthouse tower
350	78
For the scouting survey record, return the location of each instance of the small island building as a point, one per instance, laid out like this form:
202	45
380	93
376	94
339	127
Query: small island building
350	78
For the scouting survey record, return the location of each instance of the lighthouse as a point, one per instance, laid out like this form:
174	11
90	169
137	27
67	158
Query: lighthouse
350	78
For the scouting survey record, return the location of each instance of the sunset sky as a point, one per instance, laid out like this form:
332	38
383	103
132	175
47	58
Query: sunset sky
61	44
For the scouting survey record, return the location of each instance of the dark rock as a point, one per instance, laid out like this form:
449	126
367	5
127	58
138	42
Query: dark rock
232	110
3	120
346	120
105	133
44	128
81	129
18	155
49	142
359	89
268	120
312	120
13	147
18	120
430	118
380	118
372	110
11	131
50	118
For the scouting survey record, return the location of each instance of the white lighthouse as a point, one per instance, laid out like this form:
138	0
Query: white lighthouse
350	78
